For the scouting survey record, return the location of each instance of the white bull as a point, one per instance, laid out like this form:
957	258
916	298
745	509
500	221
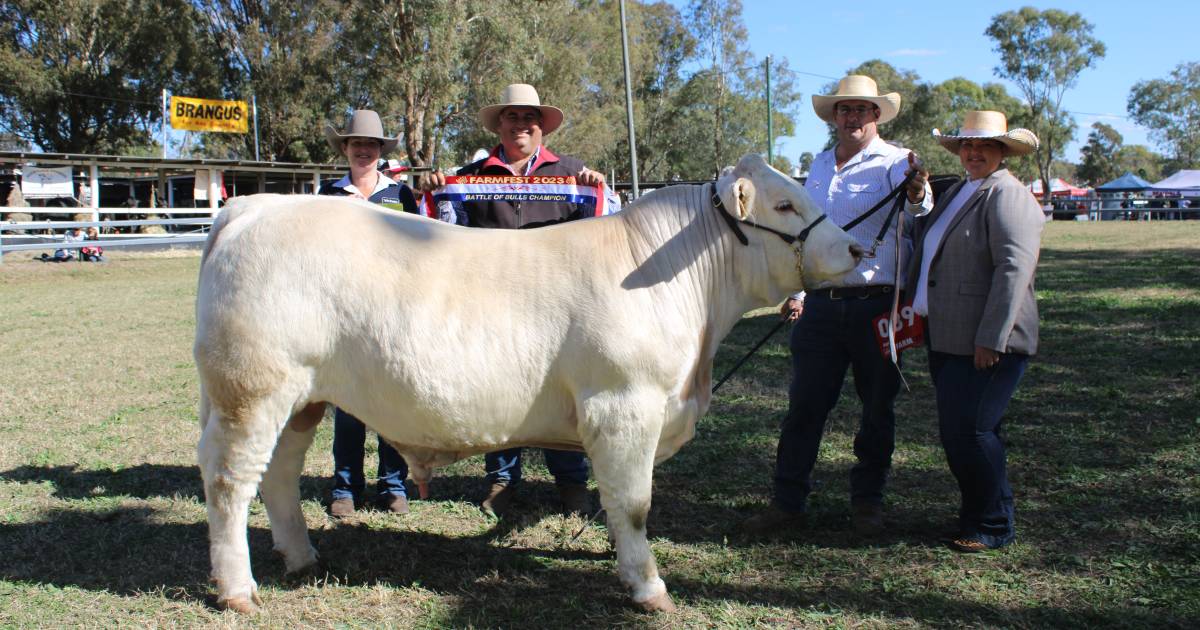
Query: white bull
597	335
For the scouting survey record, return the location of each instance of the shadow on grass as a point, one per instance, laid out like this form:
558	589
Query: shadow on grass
1105	270
492	585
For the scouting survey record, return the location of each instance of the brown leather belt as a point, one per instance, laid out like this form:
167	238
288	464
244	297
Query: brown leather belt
846	293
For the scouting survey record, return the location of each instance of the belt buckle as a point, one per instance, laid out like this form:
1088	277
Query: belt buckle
834	294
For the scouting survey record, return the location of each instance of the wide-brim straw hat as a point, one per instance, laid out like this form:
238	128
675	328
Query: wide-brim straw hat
857	87
520	95
989	125
363	123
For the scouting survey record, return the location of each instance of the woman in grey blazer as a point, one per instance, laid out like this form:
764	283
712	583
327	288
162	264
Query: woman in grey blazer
972	276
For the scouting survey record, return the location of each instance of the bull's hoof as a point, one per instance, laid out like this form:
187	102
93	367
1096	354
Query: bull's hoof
303	570
659	603
423	490
241	605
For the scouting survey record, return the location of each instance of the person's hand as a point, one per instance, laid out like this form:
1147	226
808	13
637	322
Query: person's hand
431	181
985	358
588	177
791	309
916	186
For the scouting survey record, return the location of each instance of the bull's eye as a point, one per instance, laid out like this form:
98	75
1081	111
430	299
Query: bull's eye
785	206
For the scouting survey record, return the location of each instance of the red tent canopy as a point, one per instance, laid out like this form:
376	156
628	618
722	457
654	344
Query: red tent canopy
1058	188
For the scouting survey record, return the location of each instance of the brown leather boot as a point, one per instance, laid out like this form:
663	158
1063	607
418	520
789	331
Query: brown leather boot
341	508
394	503
867	518
773	522
575	499
498	499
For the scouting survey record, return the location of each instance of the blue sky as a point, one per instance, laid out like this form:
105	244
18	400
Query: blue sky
940	40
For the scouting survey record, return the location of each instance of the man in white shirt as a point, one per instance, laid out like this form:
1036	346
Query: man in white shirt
834	324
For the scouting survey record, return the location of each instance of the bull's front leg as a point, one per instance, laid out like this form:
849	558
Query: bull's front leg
621	434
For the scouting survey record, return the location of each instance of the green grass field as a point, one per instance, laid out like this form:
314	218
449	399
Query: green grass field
102	519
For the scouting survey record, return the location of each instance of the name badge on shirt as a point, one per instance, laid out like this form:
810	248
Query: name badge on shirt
910	330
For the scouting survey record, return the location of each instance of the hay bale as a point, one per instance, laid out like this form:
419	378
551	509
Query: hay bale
17	217
152	229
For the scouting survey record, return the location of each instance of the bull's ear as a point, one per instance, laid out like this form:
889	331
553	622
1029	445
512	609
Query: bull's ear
738	196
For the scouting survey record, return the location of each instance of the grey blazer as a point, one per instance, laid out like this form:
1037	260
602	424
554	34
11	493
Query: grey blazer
981	278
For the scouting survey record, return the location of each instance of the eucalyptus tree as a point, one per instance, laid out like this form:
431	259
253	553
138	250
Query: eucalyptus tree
284	53
425	64
86	76
1043	53
1101	155
1170	109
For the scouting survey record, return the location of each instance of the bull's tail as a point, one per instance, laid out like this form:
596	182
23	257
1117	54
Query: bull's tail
229	213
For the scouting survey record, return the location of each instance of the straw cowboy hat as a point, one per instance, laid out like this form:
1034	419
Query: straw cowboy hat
363	123
988	125
857	87
520	95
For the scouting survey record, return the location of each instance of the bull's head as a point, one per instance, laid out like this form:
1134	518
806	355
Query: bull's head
759	196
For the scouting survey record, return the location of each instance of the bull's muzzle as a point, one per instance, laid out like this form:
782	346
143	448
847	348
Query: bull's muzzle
857	252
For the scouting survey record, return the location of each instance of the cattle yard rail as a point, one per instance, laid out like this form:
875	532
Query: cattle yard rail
32	241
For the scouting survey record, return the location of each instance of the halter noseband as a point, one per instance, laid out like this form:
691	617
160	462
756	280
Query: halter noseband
741	236
796	242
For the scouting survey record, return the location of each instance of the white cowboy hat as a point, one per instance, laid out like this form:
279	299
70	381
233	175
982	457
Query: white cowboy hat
393	166
857	87
520	95
989	125
363	123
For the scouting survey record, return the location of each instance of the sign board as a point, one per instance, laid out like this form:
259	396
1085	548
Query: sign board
200	186
202	114
39	182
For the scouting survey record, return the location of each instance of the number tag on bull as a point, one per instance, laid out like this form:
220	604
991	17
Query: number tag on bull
910	331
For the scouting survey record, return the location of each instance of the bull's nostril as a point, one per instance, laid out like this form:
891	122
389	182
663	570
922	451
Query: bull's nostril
856	251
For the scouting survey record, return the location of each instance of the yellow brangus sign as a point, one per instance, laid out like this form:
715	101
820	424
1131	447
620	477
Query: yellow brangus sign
202	114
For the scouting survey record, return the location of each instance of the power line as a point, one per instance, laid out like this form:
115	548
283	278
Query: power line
1095	114
104	98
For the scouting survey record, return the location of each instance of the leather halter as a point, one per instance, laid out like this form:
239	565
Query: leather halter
796	242
741	236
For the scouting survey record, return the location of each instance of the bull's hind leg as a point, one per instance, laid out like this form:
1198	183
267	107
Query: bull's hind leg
234	452
280	489
620	436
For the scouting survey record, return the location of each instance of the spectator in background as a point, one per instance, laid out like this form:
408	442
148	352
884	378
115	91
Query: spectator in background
64	254
363	142
92	253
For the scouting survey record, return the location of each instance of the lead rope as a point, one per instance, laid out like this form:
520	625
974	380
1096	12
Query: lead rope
896	206
894	317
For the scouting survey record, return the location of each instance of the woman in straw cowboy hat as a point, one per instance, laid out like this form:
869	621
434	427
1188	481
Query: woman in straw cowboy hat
363	142
972	272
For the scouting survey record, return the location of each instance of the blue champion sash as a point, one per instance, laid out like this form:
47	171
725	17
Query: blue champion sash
555	188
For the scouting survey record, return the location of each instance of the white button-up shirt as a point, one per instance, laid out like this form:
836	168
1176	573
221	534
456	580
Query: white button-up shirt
846	193
933	240
380	184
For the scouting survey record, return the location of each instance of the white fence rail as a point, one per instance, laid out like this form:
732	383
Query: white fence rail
56	241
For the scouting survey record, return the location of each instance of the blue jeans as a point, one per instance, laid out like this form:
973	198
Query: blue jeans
971	406
349	435
830	336
566	466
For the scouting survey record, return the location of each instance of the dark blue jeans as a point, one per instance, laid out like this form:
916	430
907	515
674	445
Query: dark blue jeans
349	435
971	406
830	336
566	466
